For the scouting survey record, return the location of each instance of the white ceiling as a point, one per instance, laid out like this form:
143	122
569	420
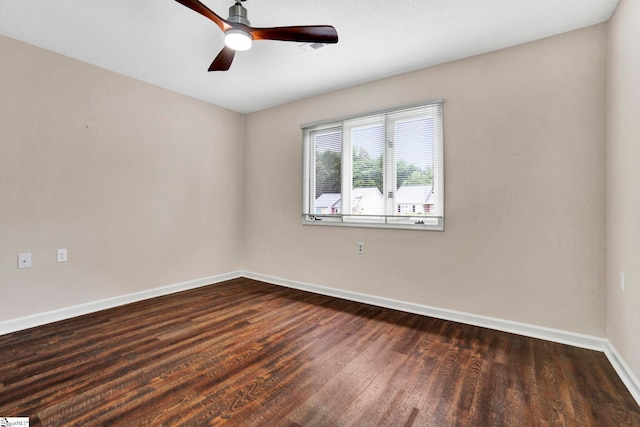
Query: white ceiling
164	43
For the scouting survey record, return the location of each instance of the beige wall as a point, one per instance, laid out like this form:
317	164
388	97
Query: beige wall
146	187
623	182
525	190
141	185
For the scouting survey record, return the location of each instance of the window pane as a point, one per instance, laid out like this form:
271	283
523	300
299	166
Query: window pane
382	169
415	144
367	145
328	171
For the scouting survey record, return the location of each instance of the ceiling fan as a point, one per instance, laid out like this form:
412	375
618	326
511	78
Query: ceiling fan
239	34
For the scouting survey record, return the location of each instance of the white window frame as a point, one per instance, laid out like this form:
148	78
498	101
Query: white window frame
388	119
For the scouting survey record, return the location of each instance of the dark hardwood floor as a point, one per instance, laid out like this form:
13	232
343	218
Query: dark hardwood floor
246	353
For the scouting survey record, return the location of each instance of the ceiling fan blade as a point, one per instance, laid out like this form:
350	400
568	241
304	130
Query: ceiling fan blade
305	33
203	10
223	60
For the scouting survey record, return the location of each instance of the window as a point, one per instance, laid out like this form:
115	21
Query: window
379	170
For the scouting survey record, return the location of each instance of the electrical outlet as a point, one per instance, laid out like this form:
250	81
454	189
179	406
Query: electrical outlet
61	255
24	260
622	281
360	248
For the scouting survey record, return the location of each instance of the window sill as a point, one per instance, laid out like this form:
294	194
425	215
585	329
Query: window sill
430	224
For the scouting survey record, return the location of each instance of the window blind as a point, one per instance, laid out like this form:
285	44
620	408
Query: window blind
384	168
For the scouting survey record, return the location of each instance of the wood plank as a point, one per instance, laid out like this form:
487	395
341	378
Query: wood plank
247	353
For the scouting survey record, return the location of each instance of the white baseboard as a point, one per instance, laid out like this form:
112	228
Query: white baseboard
541	332
622	369
40	319
534	331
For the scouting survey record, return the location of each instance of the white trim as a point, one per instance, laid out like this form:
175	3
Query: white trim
324	122
622	369
40	319
339	221
549	334
555	335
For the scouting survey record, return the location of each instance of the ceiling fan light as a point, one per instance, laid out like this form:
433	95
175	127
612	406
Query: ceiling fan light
237	39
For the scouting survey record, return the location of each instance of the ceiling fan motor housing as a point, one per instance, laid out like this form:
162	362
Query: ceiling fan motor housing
238	14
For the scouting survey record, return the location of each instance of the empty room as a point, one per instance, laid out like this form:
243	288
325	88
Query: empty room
320	213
